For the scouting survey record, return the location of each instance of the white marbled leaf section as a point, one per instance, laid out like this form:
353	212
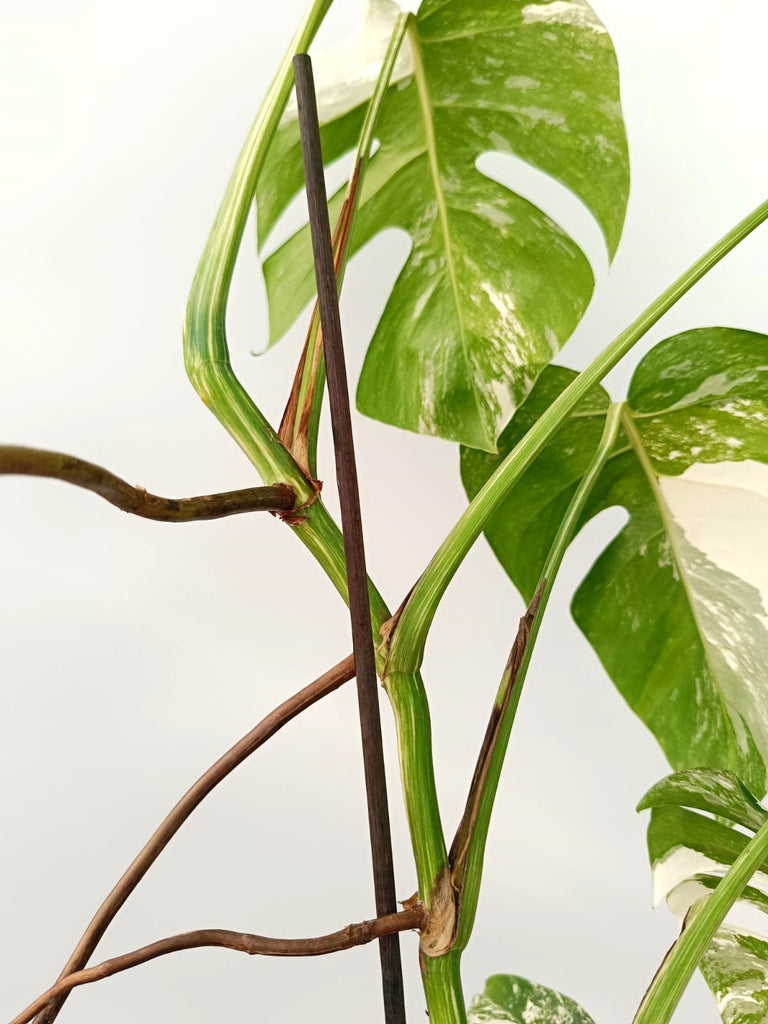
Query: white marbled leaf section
563	12
675	869
482	1009
471	321
517	1000
346	74
719	512
735	967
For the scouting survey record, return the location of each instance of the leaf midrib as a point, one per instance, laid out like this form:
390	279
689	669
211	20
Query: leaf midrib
426	105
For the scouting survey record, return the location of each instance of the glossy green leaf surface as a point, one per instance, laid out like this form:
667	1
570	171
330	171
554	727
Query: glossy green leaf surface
513	999
718	792
675	607
685	846
674	829
735	964
472	318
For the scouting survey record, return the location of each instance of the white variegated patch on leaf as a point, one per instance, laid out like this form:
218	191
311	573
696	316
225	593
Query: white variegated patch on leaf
482	1009
345	74
680	843
694	889
519	1001
735	966
473	316
684	845
676	606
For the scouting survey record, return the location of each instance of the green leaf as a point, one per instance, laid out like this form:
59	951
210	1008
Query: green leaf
684	846
675	606
509	998
735	966
681	843
718	792
472	318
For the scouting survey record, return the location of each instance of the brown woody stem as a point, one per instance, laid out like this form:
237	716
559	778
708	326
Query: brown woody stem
194	796
57	466
346	938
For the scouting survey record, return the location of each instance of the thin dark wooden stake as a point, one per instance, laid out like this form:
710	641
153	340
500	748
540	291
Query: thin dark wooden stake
349	498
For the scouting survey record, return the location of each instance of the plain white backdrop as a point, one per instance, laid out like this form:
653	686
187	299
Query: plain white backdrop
134	653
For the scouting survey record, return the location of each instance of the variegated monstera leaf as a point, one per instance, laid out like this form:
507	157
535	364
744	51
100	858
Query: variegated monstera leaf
676	605
518	1001
689	853
492	287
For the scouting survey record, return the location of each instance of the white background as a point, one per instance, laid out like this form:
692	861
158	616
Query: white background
134	653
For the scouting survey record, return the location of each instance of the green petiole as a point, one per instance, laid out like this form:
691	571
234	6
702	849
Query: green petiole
407	647
206	354
511	688
210	371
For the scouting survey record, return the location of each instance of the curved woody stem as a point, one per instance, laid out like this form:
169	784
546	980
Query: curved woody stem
267	727
69	469
243	942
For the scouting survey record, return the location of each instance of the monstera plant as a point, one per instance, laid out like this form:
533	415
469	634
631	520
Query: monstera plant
490	291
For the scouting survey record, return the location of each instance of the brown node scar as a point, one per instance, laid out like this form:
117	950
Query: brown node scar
293	517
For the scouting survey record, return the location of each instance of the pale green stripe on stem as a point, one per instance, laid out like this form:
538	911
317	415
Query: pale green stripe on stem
441	977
